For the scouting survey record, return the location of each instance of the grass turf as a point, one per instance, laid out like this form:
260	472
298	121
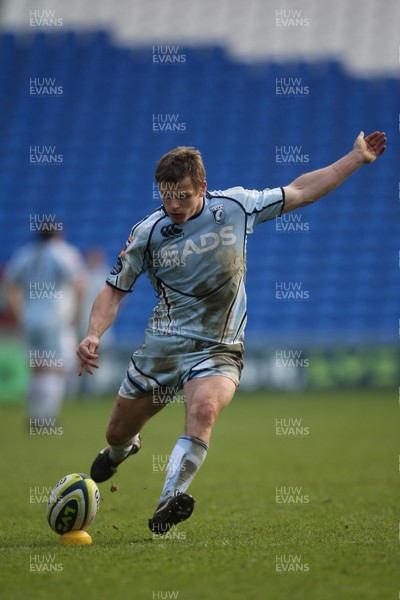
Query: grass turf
343	540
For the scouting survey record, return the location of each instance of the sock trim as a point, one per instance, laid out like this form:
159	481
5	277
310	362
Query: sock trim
194	439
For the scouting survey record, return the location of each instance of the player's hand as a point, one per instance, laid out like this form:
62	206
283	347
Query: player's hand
370	147
87	353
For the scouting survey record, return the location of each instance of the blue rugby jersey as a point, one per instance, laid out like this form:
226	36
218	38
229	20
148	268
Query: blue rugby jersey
197	268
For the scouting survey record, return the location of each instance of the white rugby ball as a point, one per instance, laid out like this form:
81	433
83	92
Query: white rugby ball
73	503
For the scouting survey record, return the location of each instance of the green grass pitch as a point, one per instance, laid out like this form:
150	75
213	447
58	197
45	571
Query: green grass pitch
331	533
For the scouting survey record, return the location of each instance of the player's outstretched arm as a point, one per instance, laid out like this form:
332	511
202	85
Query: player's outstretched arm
104	310
314	185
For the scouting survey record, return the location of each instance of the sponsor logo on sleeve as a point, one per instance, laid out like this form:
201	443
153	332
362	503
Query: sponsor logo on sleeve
117	268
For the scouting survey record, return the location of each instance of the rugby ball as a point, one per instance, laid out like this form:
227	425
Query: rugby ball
73	503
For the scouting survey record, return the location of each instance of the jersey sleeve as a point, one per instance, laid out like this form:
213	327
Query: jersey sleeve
259	206
131	261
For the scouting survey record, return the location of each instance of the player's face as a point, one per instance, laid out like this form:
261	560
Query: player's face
182	200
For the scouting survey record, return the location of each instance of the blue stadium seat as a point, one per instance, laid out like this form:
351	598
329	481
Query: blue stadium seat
102	125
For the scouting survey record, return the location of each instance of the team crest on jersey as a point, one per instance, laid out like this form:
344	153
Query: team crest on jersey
218	212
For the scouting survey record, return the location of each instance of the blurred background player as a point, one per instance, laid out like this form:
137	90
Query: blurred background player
44	281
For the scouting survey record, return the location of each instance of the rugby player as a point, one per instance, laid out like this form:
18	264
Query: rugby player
193	249
45	289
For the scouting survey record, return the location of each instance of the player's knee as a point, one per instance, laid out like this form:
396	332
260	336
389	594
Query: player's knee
204	413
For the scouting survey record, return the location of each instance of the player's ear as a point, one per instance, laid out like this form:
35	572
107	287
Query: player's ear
203	187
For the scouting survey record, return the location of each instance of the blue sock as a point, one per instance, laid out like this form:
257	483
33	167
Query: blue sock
186	459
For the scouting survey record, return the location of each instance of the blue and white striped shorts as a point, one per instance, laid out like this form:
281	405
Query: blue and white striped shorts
162	366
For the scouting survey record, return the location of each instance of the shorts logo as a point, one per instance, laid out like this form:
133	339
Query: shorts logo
171	231
218	213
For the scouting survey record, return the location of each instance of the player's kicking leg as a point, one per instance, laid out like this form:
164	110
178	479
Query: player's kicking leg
205	398
127	419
